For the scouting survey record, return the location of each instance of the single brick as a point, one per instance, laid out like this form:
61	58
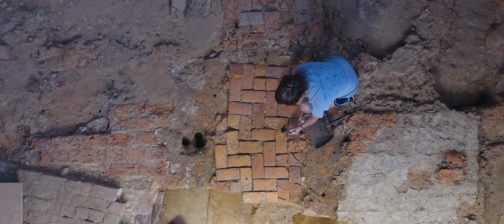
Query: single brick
79	200
275	122
251	96
295	174
250	19
97	203
259	84
296	145
152	167
145	138
240	108
246	179
112	219
295	192
82	213
239	161
271	104
269	153
220	156
250	147
254	197
41	191
282	159
54	208
272	20
265	184
36	204
52	181
123	169
68	210
295	159
264	134
286	111
283	190
247	79
281	142
132	154
276	72
243	5
236	69
234	88
228	174
276	172
245	127
78	187
271	84
258	116
271	197
234	121
232	142
96	216
260	71
257	166
116	208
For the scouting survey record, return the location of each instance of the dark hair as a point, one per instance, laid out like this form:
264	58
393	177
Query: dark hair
290	89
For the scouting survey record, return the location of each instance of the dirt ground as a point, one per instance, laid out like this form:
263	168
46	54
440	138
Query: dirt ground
64	65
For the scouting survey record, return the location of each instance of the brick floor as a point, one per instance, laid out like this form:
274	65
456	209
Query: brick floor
270	162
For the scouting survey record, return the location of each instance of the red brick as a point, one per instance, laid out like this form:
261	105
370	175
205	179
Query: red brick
275	122
159	108
283	190
282	159
240	108
276	172
295	192
281	142
220	156
259	84
115	154
271	104
455	159
239	161
245	127
295	174
254	197
258	116
82	155
250	147
232	142
260	71
296	145
234	121
265	185
123	169
272	20
247	79
230	8
271	84
244	5
145	138
250	96
271	197
53	156
133	154
296	159
286	111
269	154
156	152
151	168
276	72
264	134
257	166
228	174
451	176
120	139
235	69
234	88
246	179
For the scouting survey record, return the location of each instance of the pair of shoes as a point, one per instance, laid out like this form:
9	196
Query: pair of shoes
198	142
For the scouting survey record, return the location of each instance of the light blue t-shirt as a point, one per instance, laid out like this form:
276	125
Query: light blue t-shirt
328	80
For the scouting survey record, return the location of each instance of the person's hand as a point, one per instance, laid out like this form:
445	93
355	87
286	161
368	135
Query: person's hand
295	131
